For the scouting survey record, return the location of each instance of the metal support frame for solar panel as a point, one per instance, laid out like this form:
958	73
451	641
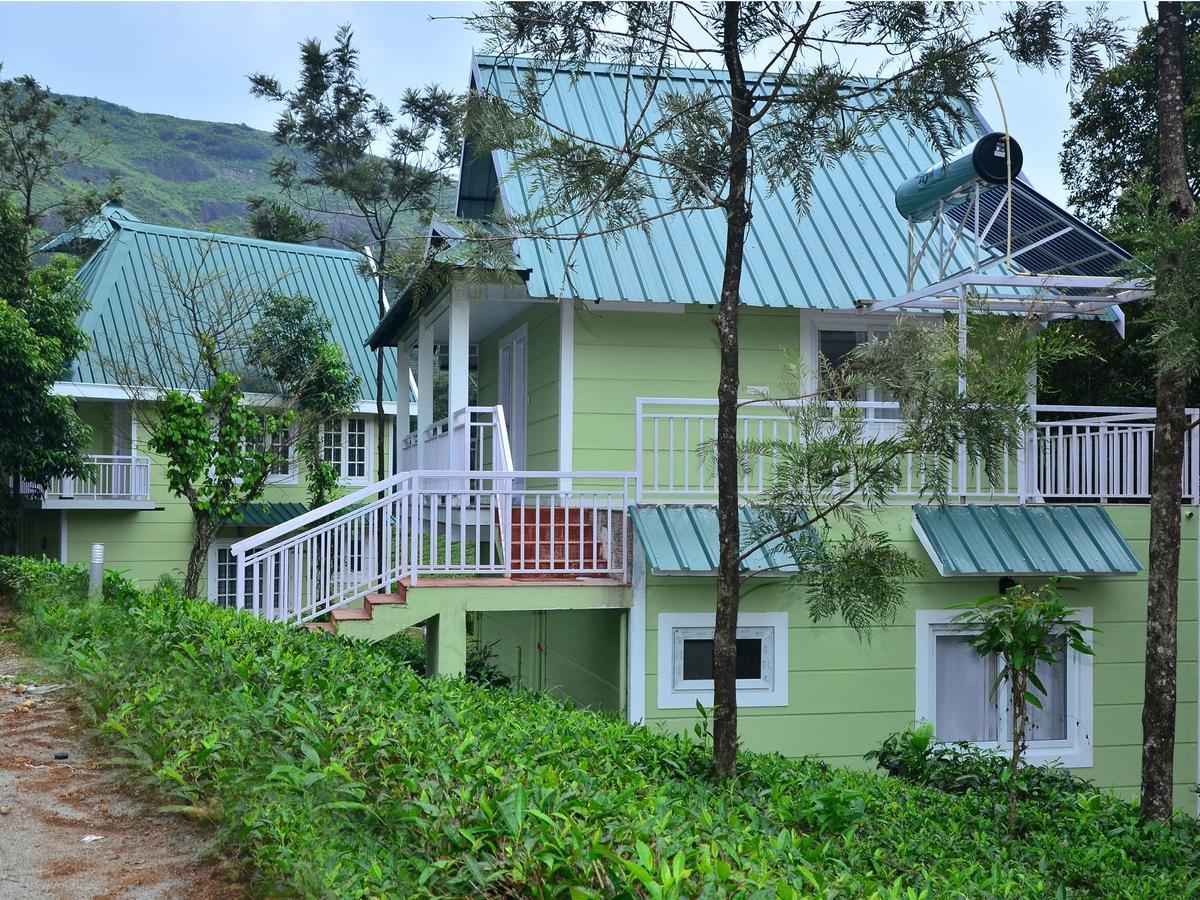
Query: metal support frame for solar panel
1052	265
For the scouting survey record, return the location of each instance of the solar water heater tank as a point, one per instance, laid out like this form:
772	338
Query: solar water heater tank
986	161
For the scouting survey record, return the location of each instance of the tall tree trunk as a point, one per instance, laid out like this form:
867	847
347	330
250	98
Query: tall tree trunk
1162	594
202	538
737	219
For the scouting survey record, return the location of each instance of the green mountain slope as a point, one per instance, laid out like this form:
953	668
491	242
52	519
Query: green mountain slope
182	172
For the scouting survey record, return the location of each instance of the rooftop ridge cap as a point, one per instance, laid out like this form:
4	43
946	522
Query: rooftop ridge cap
173	230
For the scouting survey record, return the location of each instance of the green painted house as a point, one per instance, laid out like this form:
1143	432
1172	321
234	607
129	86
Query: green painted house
561	511
124	502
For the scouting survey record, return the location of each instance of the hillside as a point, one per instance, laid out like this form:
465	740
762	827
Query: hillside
181	172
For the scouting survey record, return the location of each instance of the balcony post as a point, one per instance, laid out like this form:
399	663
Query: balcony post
460	322
424	386
404	382
962	389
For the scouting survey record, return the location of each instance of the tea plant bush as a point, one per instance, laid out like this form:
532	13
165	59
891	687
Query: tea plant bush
332	769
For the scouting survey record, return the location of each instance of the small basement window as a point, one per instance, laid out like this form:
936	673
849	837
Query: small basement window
957	691
685	659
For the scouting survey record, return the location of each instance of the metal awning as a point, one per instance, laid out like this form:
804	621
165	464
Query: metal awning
264	515
992	539
682	540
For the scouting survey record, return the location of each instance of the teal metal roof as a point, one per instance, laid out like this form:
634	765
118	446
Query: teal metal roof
93	228
264	515
987	539
851	244
682	540
129	270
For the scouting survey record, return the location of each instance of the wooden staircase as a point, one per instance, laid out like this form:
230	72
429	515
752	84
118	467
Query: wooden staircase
549	541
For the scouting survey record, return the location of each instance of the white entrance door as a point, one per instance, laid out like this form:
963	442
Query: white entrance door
514	395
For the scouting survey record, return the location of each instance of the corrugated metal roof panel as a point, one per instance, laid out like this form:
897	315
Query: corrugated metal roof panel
986	539
264	515
130	269
850	244
682	540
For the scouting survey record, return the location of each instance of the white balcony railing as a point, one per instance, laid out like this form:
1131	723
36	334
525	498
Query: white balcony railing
112	477
1097	454
1104	453
474	438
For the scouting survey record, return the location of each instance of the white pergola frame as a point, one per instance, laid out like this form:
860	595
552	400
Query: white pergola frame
1048	295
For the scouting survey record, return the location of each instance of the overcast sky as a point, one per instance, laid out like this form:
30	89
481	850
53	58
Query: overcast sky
192	59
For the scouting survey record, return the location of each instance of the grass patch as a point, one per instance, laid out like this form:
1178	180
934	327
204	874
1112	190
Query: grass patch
331	768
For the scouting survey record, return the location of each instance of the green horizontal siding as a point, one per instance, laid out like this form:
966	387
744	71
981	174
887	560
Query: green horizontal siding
845	694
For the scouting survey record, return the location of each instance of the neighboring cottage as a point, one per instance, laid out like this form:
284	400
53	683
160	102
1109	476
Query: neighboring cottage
124	503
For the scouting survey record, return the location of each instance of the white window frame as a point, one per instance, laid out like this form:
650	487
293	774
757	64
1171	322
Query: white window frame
872	330
213	550
1076	751
292	475
344	457
676	693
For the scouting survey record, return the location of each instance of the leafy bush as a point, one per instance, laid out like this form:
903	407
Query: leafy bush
331	769
913	756
409	648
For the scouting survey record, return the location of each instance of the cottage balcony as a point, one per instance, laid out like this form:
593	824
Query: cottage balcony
1083	454
112	481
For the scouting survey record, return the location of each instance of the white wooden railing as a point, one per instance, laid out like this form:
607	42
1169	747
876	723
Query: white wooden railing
671	434
435	524
1104	454
474	438
1097	454
109	477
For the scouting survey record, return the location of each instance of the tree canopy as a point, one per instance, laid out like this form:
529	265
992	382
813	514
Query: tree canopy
42	438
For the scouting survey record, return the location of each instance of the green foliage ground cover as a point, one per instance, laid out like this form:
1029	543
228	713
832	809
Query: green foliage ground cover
331	768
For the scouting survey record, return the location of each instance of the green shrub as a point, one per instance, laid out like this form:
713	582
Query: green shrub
958	768
332	769
409	648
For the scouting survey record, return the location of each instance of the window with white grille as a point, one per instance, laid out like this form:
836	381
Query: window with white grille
222	577
345	445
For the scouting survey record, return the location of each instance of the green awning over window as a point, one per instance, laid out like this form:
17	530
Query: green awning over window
682	540
991	539
264	515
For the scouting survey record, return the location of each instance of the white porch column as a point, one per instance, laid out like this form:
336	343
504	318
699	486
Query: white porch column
404	376
566	391
962	390
424	385
460	320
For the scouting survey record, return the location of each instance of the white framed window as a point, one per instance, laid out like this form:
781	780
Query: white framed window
345	445
222	574
834	344
282	443
685	659
957	692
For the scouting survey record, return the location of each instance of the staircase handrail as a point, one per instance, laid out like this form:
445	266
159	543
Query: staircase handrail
315	515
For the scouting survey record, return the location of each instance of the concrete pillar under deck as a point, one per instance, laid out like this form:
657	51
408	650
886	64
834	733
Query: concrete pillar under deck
446	645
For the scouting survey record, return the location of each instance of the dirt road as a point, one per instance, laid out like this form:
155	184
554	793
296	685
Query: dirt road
68	827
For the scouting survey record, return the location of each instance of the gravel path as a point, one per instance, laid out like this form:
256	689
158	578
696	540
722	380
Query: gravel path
68	827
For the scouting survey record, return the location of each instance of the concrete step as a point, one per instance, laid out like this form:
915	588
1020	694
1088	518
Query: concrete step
320	627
